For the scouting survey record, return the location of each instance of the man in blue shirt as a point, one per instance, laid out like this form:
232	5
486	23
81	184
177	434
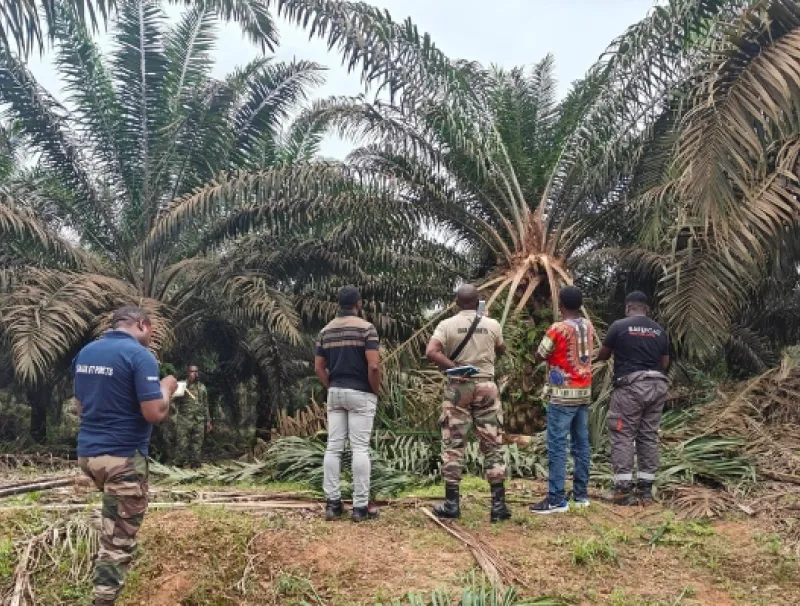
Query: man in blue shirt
119	398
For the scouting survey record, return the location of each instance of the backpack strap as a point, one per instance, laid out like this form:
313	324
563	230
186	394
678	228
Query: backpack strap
471	331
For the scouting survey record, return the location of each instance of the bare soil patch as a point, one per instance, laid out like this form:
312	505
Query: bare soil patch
599	556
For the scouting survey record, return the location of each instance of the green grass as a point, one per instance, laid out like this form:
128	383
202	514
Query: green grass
675	532
620	598
7	559
592	551
291	589
470	485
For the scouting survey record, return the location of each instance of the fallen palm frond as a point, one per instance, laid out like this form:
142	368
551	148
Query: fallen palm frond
74	540
287	460
710	459
477	595
699	501
765	414
231	505
497	570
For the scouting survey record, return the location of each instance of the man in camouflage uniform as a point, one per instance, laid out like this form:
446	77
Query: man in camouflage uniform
119	397
192	420
470	400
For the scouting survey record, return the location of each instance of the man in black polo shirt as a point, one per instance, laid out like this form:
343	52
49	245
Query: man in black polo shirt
347	364
641	357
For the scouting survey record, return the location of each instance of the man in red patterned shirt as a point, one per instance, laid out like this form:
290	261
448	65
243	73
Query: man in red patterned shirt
567	348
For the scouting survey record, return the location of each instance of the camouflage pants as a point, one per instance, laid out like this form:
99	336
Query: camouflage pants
189	434
123	481
466	402
165	435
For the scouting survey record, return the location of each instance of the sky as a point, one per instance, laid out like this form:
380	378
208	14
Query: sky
504	32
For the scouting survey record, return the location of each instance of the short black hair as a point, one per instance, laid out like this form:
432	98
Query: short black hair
571	298
637	297
349	296
128	315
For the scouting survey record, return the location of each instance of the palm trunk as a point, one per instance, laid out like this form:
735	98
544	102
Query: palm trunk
263	409
39	398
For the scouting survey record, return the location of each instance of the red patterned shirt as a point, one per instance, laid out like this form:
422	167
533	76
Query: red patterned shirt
568	347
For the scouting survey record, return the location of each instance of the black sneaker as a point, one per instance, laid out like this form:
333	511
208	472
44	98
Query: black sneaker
546	506
333	510
361	514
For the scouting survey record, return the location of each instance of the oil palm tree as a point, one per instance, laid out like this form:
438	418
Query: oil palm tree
148	126
514	181
718	188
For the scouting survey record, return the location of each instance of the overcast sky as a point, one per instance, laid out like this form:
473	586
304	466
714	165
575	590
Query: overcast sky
505	32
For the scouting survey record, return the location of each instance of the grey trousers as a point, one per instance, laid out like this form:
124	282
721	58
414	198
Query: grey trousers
350	415
633	420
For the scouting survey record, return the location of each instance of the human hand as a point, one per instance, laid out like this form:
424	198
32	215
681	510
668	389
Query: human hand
209	427
169	383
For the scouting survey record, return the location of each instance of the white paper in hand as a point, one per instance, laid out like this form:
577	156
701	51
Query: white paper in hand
181	390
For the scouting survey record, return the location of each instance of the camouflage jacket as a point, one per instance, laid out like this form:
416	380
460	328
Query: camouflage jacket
193	405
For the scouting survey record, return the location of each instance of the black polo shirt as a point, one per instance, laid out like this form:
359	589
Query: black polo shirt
638	344
343	343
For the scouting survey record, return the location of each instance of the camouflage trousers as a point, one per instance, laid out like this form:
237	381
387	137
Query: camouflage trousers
123	481
467	402
189	434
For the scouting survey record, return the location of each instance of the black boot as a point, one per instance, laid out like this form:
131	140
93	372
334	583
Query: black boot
362	514
499	511
645	490
450	509
333	510
624	494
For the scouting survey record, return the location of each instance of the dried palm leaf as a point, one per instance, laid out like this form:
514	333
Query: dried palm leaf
699	501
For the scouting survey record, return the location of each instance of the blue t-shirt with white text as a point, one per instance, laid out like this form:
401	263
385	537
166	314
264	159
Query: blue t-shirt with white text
112	376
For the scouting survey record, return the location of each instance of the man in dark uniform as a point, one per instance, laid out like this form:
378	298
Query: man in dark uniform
192	420
640	347
119	398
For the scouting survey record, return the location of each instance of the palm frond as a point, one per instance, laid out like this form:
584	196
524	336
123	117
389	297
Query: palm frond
272	94
43	120
747	98
321	186
91	90
24	25
252	16
51	313
18	225
139	65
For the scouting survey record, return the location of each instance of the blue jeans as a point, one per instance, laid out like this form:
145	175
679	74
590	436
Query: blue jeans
563	421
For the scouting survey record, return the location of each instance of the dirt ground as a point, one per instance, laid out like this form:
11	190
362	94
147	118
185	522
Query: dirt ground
603	555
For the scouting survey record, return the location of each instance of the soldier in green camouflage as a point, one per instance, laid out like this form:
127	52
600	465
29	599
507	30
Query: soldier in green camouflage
469	338
192	420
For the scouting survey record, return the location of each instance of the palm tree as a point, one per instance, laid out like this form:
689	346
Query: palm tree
718	186
149	125
517	182
26	24
514	186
